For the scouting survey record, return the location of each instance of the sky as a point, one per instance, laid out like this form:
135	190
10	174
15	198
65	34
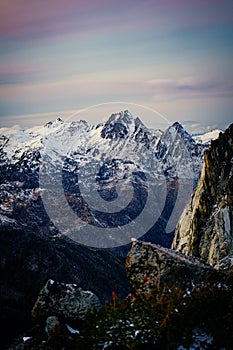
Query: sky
60	57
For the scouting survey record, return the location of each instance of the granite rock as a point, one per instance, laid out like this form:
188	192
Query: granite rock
66	301
205	228
149	266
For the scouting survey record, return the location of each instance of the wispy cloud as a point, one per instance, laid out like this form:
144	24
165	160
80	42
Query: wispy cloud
189	87
79	18
55	19
183	14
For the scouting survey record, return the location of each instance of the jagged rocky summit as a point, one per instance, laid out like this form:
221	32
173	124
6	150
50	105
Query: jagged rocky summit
205	228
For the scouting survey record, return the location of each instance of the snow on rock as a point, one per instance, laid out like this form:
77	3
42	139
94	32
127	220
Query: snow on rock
201	340
72	330
5	219
26	338
207	137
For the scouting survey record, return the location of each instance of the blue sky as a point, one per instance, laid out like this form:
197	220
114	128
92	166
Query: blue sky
61	56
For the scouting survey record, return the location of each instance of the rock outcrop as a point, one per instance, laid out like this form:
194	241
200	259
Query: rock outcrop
53	327
67	301
205	228
149	266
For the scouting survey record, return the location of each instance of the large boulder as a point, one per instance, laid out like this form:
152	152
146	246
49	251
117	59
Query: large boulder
66	301
149	266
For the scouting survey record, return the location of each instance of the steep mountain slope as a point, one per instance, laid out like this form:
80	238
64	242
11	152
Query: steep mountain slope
205	227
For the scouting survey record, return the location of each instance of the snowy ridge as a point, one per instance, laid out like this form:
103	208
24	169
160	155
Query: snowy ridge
122	136
122	148
207	137
20	141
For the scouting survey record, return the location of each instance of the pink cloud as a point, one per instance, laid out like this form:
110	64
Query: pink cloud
27	17
182	13
23	18
80	18
10	68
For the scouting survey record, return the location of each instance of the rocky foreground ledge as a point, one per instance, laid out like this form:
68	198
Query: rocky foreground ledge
149	266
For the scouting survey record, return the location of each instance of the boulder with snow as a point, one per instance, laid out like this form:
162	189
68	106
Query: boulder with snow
66	301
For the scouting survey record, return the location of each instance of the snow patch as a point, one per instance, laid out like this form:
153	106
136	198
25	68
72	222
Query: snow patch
71	330
26	338
207	137
5	219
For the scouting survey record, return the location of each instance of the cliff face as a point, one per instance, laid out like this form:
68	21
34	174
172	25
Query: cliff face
205	227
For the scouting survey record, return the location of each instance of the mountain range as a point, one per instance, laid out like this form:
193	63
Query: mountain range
113	167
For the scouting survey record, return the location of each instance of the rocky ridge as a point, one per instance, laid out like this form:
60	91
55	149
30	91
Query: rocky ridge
205	227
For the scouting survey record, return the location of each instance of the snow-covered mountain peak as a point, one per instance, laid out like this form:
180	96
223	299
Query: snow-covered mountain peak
124	117
177	126
54	123
139	123
119	126
176	130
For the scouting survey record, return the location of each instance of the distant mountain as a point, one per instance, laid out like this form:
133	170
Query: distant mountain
122	150
207	137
